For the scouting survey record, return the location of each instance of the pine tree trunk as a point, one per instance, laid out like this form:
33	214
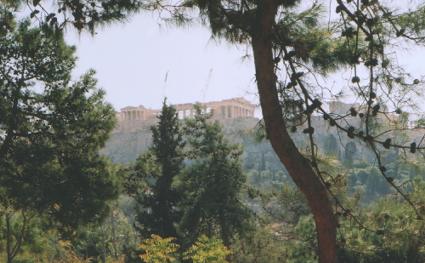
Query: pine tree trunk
298	167
8	239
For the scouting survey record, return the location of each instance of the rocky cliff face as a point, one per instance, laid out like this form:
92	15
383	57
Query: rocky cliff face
132	137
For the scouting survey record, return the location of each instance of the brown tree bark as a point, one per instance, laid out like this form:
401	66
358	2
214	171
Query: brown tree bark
298	167
9	252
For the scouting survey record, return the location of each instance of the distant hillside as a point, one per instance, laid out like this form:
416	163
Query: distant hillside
263	168
132	138
132	135
129	140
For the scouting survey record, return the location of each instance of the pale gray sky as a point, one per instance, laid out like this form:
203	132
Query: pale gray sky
140	62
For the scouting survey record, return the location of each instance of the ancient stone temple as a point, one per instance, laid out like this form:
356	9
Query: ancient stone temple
139	113
224	109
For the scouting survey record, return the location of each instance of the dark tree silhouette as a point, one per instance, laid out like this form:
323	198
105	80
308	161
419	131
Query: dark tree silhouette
291	48
51	129
157	200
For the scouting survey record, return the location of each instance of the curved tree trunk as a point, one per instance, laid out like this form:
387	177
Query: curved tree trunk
298	167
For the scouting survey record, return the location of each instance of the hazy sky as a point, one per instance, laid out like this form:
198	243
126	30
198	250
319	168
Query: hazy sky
140	62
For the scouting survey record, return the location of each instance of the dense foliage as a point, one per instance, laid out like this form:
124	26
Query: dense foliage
201	195
54	185
153	175
212	183
51	130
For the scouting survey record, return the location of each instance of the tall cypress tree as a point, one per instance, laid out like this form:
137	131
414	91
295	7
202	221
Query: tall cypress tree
283	38
212	184
156	198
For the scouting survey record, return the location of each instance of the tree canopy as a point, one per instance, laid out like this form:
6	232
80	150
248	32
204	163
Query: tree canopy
292	48
153	175
51	129
212	183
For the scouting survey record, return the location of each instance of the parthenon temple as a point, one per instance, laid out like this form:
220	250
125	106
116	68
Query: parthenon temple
224	109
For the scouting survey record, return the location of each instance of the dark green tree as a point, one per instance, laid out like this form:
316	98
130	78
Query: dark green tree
286	40
153	175
106	241
212	183
51	129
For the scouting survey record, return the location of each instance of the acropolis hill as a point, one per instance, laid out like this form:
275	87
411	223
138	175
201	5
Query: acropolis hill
132	135
130	117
